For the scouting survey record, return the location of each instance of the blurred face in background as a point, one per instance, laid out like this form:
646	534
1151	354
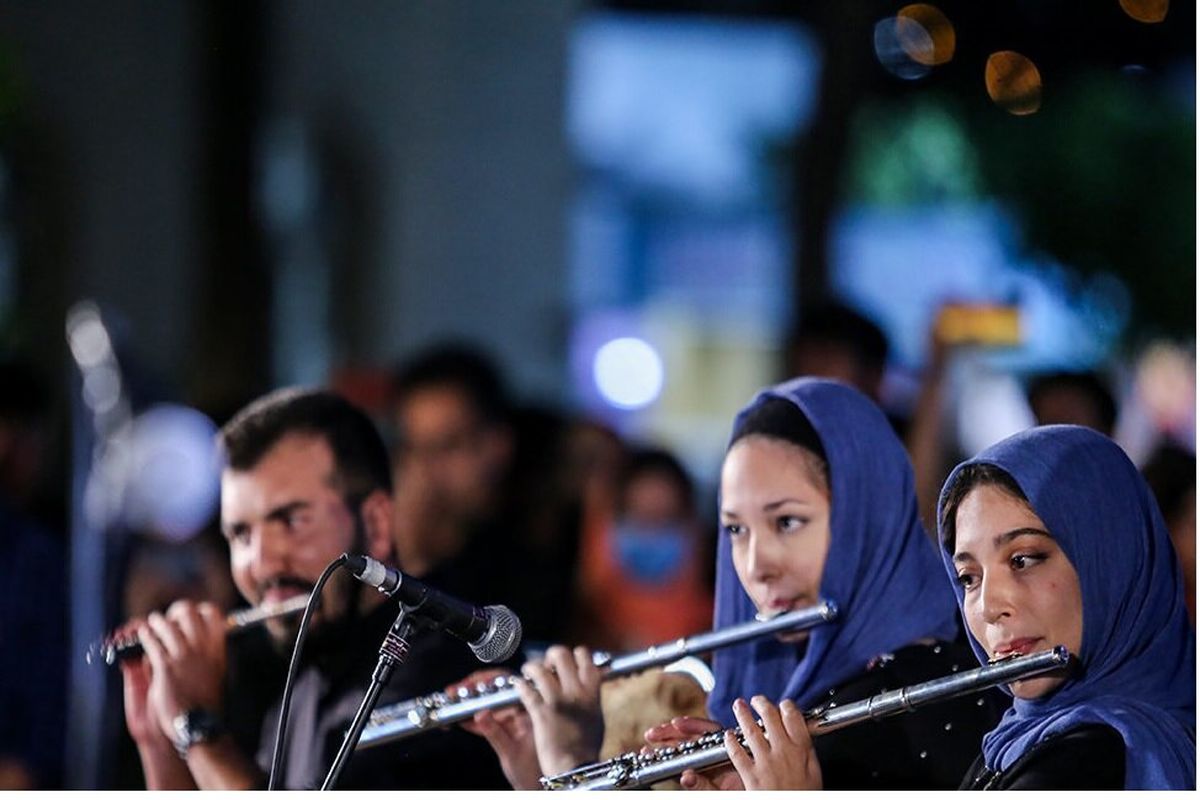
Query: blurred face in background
775	509
836	361
449	452
1067	405
655	531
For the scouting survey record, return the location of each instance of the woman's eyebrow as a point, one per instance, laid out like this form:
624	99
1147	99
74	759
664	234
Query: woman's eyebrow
1001	539
1008	536
777	503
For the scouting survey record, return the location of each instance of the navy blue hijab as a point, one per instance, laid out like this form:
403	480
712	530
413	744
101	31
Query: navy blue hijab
881	570
1139	651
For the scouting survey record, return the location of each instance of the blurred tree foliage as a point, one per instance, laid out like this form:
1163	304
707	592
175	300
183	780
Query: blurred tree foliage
1102	179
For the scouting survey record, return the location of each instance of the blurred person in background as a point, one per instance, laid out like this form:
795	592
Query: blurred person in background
306	478
832	340
1171	474
642	574
460	521
1073	398
33	603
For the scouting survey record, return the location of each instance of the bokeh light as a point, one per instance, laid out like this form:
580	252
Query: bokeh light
895	39
174	473
628	372
931	41
1166	385
1149	11
1013	82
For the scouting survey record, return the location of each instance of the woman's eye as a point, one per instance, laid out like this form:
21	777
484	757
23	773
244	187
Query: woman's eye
733	529
1025	560
965	580
791	523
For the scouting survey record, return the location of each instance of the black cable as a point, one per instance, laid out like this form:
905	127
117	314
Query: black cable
313	599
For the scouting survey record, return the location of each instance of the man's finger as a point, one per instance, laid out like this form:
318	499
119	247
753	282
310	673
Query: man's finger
153	648
168	634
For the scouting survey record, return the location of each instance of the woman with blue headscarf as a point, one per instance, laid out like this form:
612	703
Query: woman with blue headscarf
816	501
1052	537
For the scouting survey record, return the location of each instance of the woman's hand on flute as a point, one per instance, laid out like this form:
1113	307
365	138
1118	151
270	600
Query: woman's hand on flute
783	754
508	731
562	696
684	729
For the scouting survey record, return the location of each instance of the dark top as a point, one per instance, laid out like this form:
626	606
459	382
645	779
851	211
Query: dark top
328	691
1086	757
930	748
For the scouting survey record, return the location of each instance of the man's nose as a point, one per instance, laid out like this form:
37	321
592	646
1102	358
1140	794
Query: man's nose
270	550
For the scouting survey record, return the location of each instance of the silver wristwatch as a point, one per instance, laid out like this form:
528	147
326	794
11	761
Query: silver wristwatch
195	726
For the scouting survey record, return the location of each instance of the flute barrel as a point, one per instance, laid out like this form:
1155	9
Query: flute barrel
112	650
439	710
636	770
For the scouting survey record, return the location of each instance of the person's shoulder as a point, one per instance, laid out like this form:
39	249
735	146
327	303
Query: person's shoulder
1089	756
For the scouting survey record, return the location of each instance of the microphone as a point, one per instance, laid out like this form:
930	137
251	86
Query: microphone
493	632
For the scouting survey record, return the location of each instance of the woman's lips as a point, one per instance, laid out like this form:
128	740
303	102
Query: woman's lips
1013	647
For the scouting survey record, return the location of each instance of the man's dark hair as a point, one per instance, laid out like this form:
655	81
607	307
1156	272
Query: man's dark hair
360	459
653	460
970	477
457	366
1088	384
835	323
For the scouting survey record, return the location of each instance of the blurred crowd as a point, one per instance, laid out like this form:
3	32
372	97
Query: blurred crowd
589	537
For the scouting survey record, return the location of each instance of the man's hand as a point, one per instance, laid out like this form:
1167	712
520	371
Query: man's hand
187	657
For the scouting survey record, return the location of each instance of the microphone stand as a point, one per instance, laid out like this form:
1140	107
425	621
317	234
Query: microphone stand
392	652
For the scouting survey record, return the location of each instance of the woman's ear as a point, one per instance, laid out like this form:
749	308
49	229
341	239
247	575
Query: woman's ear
377	520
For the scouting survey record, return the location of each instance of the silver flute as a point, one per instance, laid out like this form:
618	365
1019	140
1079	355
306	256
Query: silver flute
440	710
635	770
117	648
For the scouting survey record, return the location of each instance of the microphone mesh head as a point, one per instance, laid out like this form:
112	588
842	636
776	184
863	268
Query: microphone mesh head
503	635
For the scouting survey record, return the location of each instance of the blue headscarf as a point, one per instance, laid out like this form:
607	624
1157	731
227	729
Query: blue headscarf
881	569
1139	652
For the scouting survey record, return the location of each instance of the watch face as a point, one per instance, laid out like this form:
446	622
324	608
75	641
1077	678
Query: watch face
195	726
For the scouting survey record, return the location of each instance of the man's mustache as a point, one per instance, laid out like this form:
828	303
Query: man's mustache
285	582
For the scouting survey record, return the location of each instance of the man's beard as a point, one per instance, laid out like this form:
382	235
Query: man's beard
341	610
